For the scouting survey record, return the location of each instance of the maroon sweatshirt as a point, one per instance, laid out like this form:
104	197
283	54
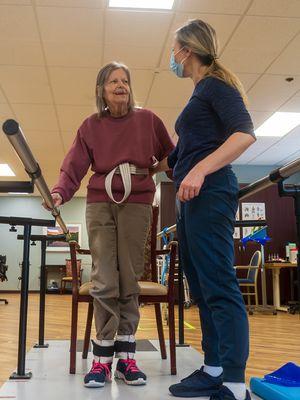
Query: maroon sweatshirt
103	143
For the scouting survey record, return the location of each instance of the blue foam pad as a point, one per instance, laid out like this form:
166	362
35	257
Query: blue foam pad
269	391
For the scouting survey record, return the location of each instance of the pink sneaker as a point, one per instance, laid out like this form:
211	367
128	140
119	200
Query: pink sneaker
98	375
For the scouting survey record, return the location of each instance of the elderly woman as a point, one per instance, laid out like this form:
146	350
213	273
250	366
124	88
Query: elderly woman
121	144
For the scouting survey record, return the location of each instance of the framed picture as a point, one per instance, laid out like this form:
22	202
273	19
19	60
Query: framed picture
75	231
237	233
252	211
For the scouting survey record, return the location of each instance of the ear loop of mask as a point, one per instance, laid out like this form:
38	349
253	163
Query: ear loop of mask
182	61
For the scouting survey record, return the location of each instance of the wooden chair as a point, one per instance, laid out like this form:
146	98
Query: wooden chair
68	275
151	292
250	282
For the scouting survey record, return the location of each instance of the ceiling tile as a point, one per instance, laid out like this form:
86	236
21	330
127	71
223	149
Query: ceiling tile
2	98
25	84
5	113
136	28
256	43
169	117
223	24
16	53
261	144
247	79
73	54
291	157
258	117
18	23
169	91
72	3
36	117
271	91
73	86
289	61
47	143
68	138
214	6
279	151
15	2
70	25
141	83
292	105
276	8
71	117
133	56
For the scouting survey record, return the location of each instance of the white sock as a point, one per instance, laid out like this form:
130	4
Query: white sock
125	338
104	343
213	371
237	388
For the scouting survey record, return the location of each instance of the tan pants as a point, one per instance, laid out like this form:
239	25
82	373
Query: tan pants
117	237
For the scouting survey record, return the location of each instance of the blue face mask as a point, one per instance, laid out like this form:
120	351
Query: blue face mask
175	67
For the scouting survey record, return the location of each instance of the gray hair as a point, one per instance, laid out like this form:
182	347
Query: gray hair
102	77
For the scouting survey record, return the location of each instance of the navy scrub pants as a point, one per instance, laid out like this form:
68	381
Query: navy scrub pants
205	227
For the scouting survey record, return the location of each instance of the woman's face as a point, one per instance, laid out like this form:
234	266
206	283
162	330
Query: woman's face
116	89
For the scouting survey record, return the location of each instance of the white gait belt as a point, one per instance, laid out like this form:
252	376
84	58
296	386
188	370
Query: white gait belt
125	170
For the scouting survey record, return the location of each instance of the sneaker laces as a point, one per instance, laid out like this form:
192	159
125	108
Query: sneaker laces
192	374
98	367
131	365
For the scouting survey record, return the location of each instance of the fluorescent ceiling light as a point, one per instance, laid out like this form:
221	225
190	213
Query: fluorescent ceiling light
153	4
279	124
5	170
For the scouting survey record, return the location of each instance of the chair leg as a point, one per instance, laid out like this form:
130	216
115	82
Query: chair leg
172	338
256	297
88	328
73	337
248	296
160	331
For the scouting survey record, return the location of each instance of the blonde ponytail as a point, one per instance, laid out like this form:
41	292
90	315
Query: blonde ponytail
217	70
201	38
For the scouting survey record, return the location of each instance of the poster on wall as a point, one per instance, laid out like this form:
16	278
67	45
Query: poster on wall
237	231
252	211
75	232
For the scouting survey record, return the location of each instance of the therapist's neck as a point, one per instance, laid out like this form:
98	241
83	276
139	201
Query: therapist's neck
198	71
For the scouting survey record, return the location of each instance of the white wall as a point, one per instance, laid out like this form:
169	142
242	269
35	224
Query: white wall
72	212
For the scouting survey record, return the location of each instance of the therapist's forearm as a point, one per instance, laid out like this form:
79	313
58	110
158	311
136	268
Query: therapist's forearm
230	150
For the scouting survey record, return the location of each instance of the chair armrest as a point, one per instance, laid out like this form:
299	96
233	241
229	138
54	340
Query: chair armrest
83	251
246	267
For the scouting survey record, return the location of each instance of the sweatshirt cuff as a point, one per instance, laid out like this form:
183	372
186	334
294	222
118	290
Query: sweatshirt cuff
61	192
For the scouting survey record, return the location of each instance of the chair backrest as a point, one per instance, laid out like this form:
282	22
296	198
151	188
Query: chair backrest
254	262
74	250
69	267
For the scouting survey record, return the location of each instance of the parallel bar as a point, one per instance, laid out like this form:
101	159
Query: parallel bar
274	177
46	238
42	296
26	221
21	374
43	239
15	135
16	187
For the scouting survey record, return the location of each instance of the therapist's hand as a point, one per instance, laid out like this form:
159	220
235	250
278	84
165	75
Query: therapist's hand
191	185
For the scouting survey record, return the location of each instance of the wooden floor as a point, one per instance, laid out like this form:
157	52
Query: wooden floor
274	339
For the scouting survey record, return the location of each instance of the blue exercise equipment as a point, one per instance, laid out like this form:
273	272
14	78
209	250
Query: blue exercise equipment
282	384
